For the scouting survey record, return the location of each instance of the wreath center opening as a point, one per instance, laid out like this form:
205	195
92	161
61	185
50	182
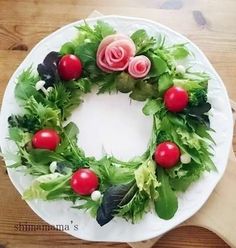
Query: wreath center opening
112	124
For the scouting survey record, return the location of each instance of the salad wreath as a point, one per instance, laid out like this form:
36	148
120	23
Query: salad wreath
180	146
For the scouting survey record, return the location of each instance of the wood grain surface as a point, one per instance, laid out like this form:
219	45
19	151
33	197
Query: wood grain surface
23	23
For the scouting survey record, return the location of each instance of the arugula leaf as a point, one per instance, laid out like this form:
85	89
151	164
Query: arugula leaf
135	209
58	97
48	117
25	86
110	174
113	198
166	204
93	34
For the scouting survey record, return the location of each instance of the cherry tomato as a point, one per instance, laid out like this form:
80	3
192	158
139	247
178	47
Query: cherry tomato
46	139
176	99
69	67
84	181
167	154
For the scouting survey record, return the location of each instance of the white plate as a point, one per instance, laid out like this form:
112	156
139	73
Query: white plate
110	123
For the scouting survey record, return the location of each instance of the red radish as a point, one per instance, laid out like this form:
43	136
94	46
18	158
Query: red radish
176	99
46	139
114	52
69	67
84	181
139	66
167	154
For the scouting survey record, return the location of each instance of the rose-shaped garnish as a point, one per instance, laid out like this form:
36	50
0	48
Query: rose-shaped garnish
139	66
114	53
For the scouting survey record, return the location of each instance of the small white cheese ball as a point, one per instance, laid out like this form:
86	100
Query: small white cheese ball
185	158
96	195
180	69
53	167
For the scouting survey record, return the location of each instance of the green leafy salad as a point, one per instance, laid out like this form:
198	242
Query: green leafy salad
146	69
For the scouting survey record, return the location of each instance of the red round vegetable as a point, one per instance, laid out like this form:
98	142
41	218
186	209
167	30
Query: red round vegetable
167	154
46	139
69	67
84	181
176	99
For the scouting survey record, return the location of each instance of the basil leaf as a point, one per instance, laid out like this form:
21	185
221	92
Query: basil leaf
166	204
113	198
159	66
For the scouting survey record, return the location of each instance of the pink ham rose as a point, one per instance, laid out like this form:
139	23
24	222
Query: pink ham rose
114	53
139	66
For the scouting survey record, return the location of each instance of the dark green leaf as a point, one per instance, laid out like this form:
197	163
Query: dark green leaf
166	204
28	123
199	110
159	66
113	198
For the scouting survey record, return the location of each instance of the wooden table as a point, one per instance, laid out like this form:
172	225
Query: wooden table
208	23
